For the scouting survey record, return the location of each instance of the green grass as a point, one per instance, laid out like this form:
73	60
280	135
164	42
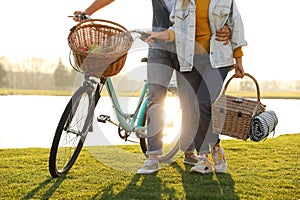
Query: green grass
264	170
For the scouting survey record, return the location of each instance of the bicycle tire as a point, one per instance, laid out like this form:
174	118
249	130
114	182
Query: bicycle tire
170	153
68	141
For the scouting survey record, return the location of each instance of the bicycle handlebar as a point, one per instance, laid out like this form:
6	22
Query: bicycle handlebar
143	36
81	16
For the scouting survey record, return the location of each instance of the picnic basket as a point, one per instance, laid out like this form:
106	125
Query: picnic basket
232	115
99	47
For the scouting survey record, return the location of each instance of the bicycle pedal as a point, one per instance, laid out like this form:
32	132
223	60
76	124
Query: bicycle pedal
103	118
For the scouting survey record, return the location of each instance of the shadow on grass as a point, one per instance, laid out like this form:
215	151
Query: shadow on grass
140	187
184	186
41	186
206	186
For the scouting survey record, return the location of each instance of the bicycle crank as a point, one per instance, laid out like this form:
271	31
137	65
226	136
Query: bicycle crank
122	133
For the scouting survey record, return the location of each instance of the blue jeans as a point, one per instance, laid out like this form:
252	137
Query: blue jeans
160	68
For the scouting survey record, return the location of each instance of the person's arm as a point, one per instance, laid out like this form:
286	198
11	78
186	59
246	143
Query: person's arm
223	35
238	67
164	35
96	5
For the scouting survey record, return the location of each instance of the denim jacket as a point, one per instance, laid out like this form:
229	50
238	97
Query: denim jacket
220	12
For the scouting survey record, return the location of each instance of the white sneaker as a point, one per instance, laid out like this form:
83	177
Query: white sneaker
203	165
220	164
191	160
150	166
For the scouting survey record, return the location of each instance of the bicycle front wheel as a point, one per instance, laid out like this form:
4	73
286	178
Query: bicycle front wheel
172	127
71	132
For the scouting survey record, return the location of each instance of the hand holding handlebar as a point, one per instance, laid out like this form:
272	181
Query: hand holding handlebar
80	16
143	36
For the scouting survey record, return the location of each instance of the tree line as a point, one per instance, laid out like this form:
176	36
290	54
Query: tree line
36	73
40	74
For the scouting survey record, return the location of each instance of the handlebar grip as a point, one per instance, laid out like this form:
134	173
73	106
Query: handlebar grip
143	35
81	16
85	16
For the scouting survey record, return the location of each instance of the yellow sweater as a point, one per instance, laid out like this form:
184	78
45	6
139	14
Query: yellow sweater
203	32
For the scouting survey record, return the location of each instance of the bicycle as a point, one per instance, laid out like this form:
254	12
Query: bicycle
76	120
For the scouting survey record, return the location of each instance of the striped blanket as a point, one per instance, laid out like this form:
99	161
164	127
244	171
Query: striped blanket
262	125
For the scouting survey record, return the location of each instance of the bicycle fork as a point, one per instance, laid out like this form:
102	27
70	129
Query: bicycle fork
94	96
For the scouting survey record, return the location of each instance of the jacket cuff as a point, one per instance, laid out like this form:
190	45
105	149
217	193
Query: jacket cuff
171	34
237	53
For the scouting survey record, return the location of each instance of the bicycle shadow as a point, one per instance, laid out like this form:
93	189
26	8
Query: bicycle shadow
209	186
55	184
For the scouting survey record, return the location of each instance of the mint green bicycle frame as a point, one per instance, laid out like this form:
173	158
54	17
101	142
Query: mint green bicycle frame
128	121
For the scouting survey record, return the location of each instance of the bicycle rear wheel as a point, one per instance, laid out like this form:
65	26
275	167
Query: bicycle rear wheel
172	127
71	132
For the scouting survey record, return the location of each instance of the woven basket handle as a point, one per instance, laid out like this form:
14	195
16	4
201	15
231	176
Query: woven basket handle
100	20
250	76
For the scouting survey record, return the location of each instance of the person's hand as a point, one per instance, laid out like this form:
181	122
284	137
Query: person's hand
77	13
157	35
223	35
239	69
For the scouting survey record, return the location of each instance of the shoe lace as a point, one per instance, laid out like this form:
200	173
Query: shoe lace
217	156
203	161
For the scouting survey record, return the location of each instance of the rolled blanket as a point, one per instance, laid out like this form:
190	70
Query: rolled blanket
262	125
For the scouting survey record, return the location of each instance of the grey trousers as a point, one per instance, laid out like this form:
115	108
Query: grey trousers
197	90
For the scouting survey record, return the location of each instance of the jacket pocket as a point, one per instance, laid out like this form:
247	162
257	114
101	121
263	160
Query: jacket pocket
182	14
220	15
221	11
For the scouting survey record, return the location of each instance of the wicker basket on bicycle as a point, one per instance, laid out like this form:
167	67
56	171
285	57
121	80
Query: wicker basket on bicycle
99	47
232	115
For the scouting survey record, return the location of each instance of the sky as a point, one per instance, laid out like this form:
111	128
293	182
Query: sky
39	28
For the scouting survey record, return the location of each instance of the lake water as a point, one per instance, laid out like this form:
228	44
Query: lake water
30	121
